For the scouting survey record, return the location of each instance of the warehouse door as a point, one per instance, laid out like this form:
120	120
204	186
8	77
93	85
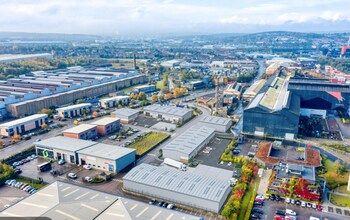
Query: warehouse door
110	168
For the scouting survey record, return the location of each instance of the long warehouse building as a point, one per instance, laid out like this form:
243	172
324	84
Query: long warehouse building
185	188
189	143
168	113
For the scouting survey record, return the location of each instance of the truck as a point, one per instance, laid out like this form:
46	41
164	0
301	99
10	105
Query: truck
176	164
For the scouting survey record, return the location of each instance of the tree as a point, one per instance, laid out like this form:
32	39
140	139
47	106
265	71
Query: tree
132	96
120	106
168	96
95	114
165	80
46	111
44	126
165	90
154	98
161	97
142	96
16	137
75	122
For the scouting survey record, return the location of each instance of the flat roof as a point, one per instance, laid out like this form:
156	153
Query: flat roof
188	141
166	109
171	179
105	121
106	151
212	172
125	111
64	143
215	120
23	120
64	201
74	106
80	128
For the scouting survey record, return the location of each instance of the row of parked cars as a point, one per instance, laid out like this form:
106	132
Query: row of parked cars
297	202
23	186
23	161
162	204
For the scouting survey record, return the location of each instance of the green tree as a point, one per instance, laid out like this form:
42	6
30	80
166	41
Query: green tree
142	96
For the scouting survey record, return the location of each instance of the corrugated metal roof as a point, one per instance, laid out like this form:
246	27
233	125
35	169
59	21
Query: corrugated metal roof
64	143
215	120
178	181
125	112
82	105
169	110
80	128
188	141
23	120
106	151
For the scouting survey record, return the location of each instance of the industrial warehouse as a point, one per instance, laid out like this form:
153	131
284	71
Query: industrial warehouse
74	110
220	124
33	91
61	200
23	125
276	109
126	115
100	156
189	143
178	186
168	113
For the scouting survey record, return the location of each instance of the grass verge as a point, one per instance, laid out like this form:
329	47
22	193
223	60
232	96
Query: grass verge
332	178
148	142
32	182
340	200
248	199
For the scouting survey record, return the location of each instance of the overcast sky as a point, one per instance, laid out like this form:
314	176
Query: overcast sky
127	17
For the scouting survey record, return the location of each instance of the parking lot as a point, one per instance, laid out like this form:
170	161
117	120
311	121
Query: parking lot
210	155
147	122
270	207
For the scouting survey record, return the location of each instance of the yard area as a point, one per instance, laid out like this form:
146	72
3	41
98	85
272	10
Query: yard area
32	182
340	200
333	179
148	142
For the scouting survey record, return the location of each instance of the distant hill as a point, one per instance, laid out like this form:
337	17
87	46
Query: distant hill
46	36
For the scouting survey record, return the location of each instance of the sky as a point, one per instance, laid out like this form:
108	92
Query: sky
131	17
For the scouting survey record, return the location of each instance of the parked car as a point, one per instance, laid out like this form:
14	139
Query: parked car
292	201
308	205
297	202
165	205
278	198
303	204
61	162
259	203
255	216
280	212
171	206
256	210
152	202
87	166
160	203
278	217
290	217
259	200
287	200
53	172
319	207
72	175
314	206
18	171
260	197
88	179
24	186
290	212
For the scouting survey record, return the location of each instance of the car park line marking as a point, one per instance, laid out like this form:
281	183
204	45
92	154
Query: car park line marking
67	215
133	207
89	207
95	196
156	215
81	196
34	205
44	194
71	192
143	211
10	214
115	214
170	216
65	189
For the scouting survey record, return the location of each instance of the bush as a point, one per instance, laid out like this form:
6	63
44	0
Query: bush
98	180
6	172
148	142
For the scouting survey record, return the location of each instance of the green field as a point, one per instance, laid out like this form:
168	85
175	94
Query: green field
344	189
340	200
148	142
32	182
333	179
160	84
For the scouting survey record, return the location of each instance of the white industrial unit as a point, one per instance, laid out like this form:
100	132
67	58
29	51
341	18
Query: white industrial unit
189	143
73	110
107	157
23	125
126	115
168	113
220	124
176	186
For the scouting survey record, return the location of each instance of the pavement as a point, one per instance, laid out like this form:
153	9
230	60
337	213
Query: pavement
264	182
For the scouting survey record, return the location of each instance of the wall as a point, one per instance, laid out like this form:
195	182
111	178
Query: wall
97	162
55	152
125	161
308	112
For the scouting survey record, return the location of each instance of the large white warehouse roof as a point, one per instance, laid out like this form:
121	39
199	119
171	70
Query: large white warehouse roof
215	120
188	141
178	181
169	110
